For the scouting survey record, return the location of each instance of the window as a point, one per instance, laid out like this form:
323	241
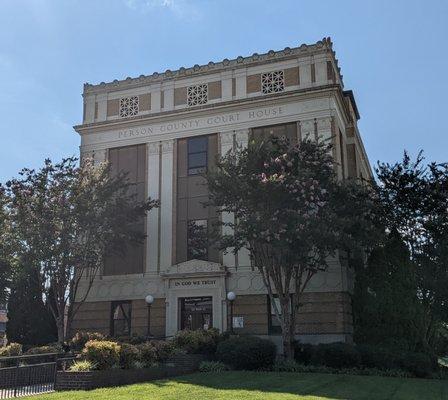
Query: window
120	319
273	323
197	155
129	106
273	82
197	239
341	150
197	94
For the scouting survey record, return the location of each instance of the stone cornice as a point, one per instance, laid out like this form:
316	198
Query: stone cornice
310	92
322	46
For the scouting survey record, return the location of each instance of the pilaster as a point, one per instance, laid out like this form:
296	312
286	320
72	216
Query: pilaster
242	140
228	258
168	96
153	219
166	203
155	91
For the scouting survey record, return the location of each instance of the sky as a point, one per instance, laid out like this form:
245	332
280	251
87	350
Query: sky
393	55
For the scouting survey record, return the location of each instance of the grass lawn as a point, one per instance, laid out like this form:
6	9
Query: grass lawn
267	386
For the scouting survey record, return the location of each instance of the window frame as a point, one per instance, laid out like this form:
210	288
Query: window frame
114	305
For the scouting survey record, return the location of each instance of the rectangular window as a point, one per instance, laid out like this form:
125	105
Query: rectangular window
120	318
197	155
274	323
197	239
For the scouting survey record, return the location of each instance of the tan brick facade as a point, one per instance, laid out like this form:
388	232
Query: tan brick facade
113	107
253	83
320	314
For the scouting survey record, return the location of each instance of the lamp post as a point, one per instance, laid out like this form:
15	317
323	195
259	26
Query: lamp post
231	296
149	300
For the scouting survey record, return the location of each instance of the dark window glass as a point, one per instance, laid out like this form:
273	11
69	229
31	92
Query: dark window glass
197	240
120	324
197	155
196	313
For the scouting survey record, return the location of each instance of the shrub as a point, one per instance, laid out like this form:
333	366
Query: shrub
303	352
197	342
81	366
288	366
336	355
51	348
420	364
212	366
147	354
133	339
79	340
378	357
103	354
13	349
163	349
129	354
246	352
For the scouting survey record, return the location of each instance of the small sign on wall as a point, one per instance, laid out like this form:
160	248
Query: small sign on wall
238	322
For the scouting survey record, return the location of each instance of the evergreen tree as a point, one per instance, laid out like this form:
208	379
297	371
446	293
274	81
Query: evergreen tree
30	321
386	310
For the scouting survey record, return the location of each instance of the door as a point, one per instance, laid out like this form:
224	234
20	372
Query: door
196	313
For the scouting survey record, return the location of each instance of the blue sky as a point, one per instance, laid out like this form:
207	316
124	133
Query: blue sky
393	54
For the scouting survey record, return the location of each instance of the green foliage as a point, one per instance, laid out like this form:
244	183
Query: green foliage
30	321
386	308
343	356
246	352
13	349
79	339
197	342
212	366
103	354
65	219
414	200
82	366
53	348
148	354
163	349
336	355
303	352
129	354
292	214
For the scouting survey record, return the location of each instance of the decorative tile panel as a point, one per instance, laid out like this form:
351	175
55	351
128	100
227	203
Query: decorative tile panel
273	82
129	106
197	94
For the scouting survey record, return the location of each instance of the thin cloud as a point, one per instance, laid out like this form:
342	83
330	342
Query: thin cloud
180	8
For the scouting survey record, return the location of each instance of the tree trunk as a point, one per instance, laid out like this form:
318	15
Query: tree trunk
287	330
61	330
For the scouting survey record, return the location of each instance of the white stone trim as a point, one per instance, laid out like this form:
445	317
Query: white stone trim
166	204
152	242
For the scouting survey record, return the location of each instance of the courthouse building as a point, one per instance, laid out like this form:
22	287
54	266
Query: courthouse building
166	130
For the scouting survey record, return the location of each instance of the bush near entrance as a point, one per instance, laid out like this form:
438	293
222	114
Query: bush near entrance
247	352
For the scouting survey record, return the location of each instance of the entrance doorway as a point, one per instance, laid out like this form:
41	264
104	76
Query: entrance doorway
196	313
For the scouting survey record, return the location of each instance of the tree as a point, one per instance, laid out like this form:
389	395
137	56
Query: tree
290	212
414	199
386	310
30	321
67	218
5	248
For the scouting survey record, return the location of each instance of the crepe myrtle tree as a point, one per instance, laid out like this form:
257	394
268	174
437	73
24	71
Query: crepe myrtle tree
67	218
291	213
